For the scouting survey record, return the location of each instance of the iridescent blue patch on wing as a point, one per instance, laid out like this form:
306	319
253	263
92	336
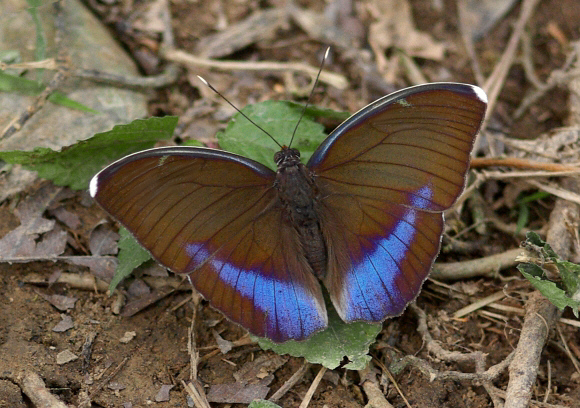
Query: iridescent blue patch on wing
370	289
291	311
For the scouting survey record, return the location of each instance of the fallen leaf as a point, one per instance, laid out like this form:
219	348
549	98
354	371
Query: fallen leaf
103	240
138	288
67	217
53	243
254	372
395	27
65	356
21	242
103	267
62	303
65	324
224	345
115	386
15	181
163	394
127	337
260	26
236	393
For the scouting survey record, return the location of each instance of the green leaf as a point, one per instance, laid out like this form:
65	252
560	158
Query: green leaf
538	195
60	99
279	119
523	217
553	292
193	142
329	347
562	293
131	255
40	50
263	404
12	83
74	166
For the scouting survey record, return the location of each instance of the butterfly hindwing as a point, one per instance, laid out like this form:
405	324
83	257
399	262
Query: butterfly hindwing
385	176
214	216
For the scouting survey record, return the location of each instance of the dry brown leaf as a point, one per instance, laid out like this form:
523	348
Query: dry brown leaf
254	372
260	26
21	242
103	267
65	324
236	393
395	27
163	394
103	240
62	303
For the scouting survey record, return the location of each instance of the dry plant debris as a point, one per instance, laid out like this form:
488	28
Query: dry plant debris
479	333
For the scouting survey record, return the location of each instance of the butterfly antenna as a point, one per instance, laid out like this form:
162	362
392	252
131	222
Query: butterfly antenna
310	96
239	111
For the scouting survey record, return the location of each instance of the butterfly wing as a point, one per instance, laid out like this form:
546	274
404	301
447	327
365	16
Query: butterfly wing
215	216
385	176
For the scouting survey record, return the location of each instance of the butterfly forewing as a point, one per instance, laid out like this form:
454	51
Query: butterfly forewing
385	176
214	215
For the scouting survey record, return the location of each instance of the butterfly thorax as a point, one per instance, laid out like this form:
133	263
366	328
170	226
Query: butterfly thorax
298	195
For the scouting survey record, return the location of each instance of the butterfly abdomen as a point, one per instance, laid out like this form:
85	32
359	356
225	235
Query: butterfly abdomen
298	196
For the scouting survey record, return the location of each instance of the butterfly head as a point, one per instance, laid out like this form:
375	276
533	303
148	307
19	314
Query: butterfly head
287	157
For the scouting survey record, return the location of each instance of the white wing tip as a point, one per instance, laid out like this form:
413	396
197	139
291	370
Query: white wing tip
94	186
480	93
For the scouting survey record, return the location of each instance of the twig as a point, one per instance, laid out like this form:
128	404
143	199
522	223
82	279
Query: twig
503	175
540	316
87	350
533	403
291	382
518	163
181	57
108	378
496	80
194	388
476	357
549	386
558	192
166	78
557	78
486	266
393	380
479	304
35	389
17	123
568	352
540	313
374	394
62	74
312	388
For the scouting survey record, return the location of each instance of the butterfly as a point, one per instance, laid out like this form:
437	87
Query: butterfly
364	216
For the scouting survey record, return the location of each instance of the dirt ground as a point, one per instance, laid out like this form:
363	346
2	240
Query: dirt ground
132	359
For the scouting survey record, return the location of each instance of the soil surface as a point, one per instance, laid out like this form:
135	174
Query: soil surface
132	358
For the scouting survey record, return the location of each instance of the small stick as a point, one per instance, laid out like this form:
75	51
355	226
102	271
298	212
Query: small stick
291	382
312	388
35	389
514	162
336	80
486	266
